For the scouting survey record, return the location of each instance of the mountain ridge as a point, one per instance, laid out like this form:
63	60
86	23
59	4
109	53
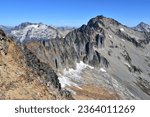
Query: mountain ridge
104	55
101	43
62	31
24	76
28	31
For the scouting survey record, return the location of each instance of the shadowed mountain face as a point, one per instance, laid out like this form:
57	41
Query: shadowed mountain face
101	60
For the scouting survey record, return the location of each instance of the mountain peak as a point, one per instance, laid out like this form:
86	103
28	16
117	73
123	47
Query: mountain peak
142	27
104	21
37	31
142	23
22	25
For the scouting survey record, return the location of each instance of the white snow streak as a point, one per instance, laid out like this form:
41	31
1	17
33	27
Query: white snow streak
127	64
103	70
123	40
122	29
110	36
72	74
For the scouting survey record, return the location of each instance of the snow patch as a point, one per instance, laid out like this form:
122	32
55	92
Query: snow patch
127	64
103	70
123	40
32	26
71	75
121	29
65	81
110	36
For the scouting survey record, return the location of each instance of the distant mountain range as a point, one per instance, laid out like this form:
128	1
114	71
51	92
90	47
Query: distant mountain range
35	31
38	31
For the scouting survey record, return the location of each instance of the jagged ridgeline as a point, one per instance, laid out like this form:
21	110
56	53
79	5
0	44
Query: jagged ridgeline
101	60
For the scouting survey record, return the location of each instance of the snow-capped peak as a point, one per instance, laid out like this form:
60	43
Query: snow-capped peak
36	31
143	27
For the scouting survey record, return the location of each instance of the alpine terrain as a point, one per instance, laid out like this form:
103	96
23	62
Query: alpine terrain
142	27
103	59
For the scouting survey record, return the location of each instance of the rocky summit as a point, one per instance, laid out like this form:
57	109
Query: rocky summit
142	27
101	60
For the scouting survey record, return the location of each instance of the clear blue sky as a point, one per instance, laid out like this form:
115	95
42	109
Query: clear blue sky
73	12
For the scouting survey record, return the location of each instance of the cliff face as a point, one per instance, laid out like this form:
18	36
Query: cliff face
23	76
79	45
104	54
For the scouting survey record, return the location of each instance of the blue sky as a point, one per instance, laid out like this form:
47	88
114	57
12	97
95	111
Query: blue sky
73	12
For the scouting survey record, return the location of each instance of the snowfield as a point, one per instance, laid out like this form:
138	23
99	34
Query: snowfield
66	79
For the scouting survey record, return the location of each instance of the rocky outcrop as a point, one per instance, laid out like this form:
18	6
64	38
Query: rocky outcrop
48	76
46	73
143	84
79	45
3	42
23	76
127	37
